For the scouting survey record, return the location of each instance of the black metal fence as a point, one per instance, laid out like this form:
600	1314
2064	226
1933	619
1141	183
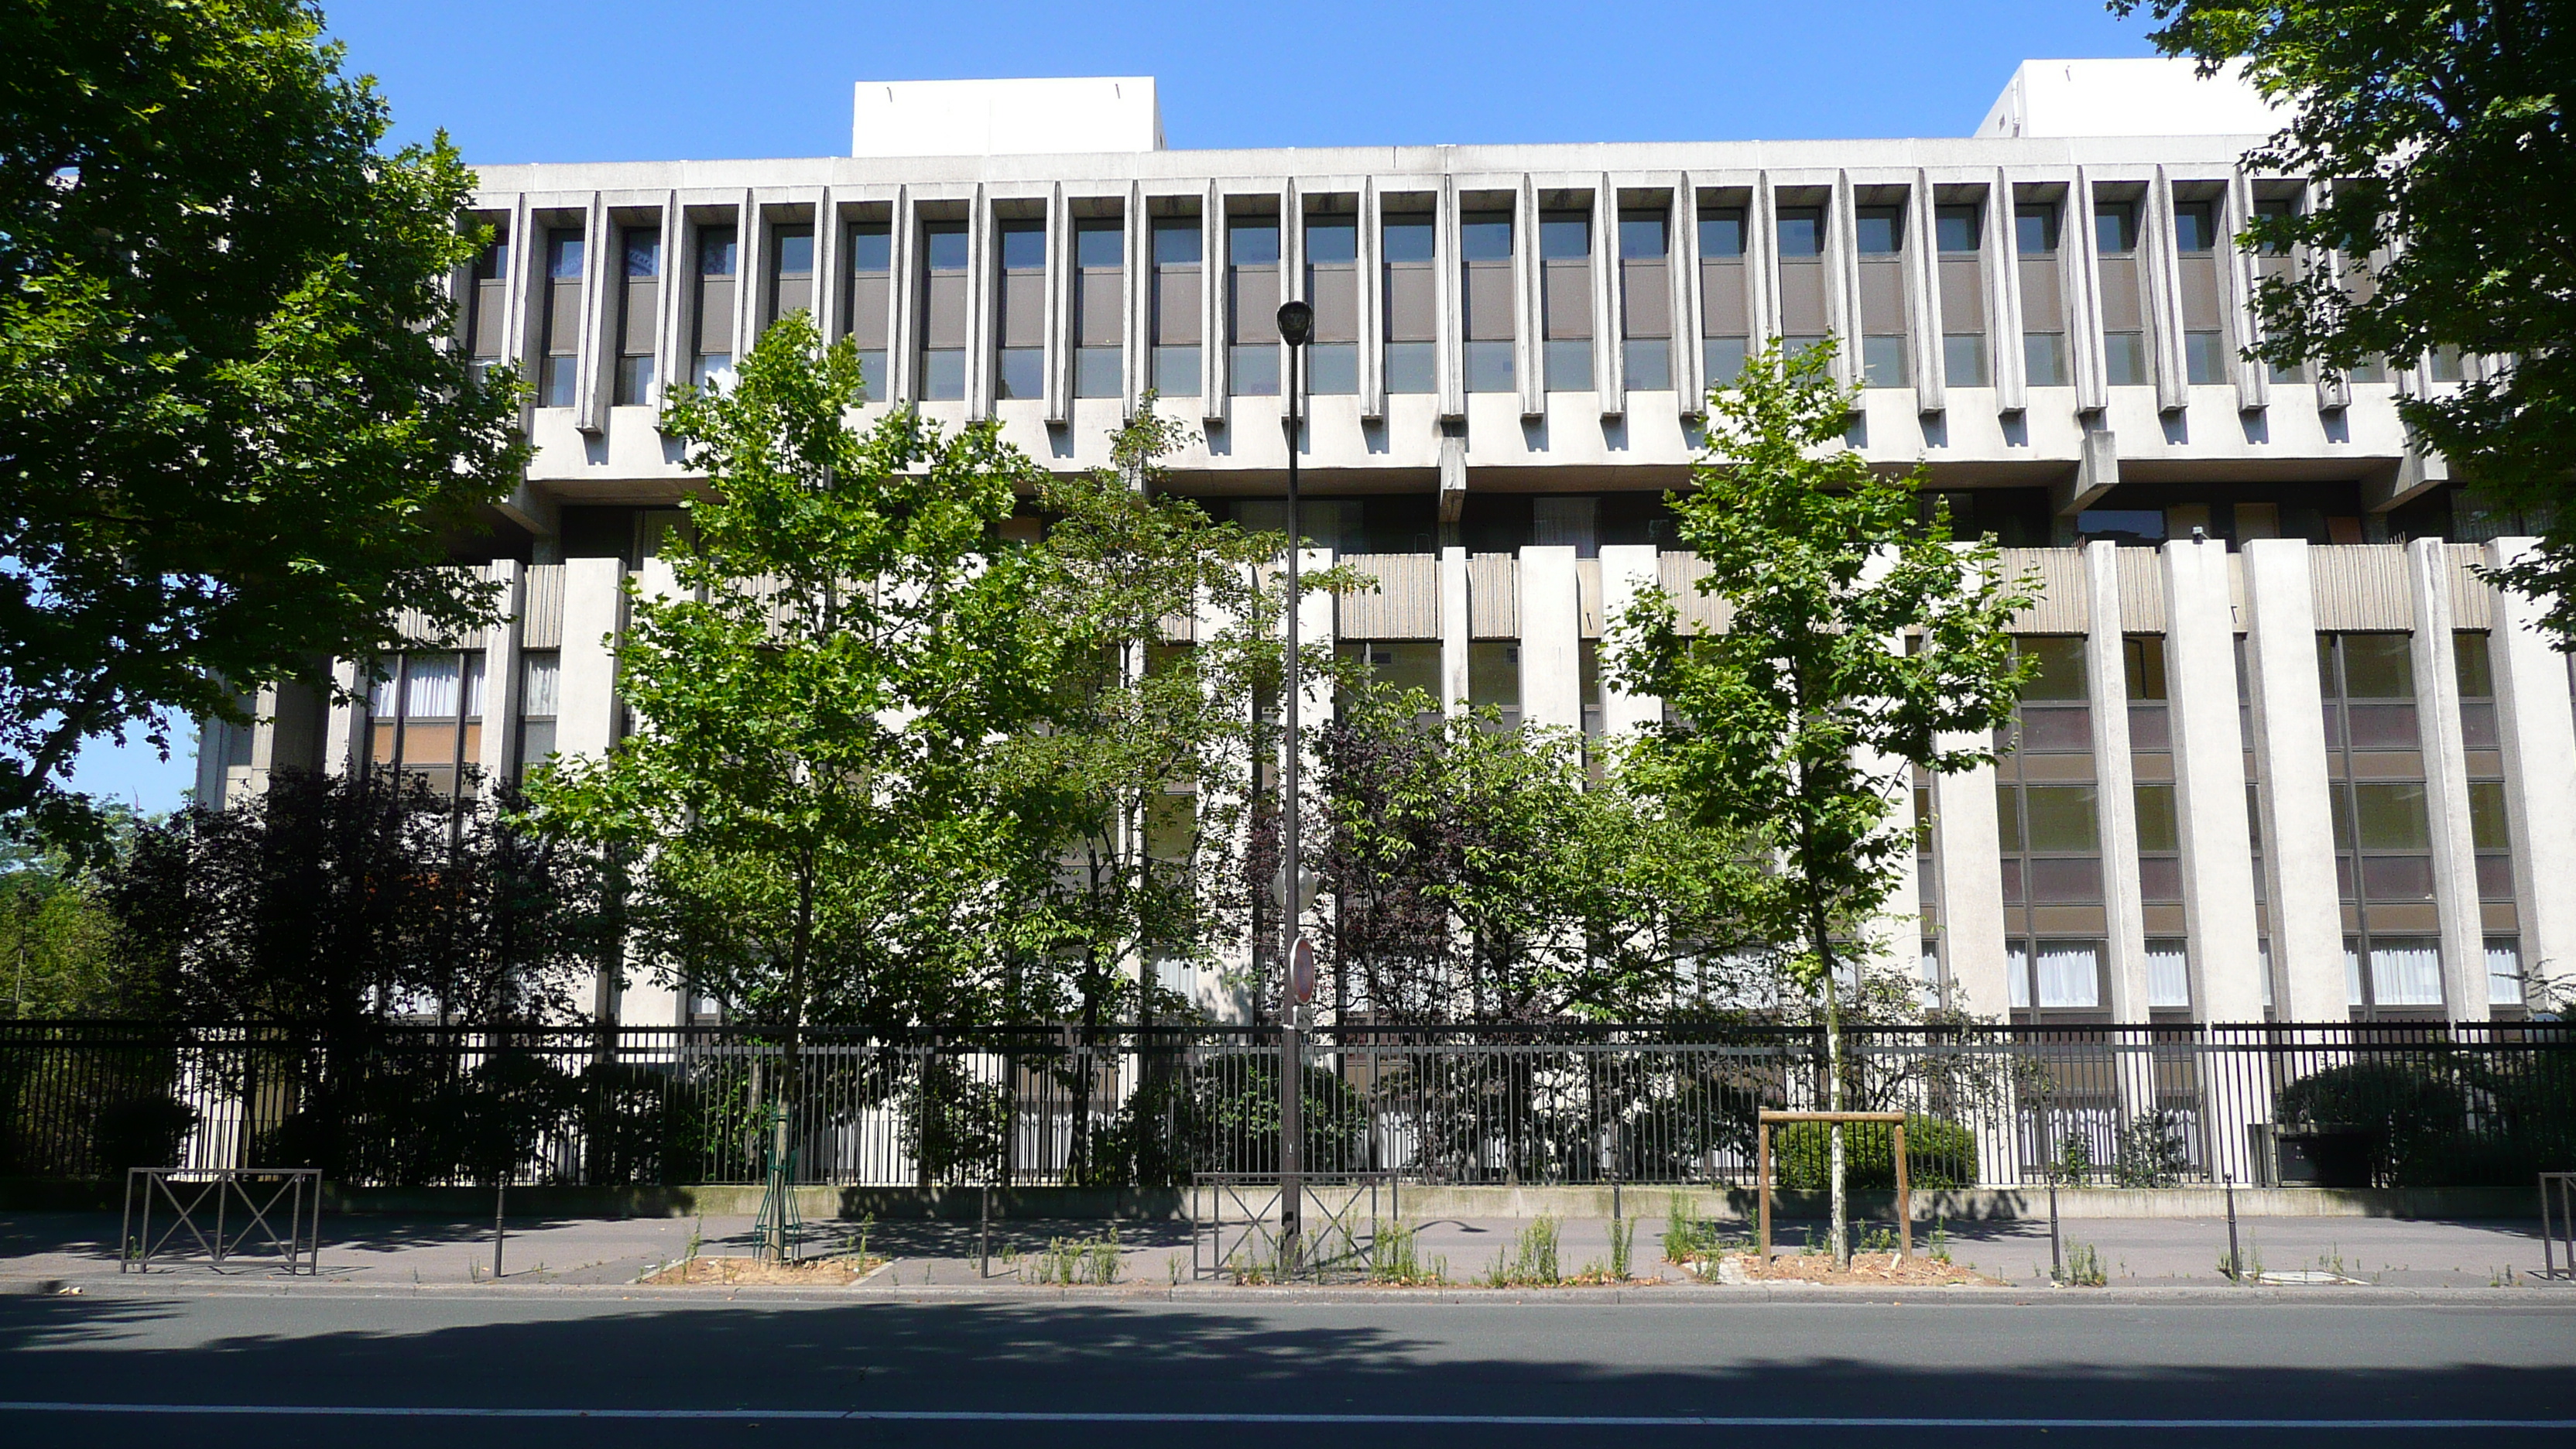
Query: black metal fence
2339	1105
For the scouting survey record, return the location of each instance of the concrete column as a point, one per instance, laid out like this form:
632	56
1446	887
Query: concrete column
209	786
1223	993
1454	631
263	737
2209	784
2298	811
1317	629
1968	856
501	677
2115	782
594	614
1528	355
1923	299
1627	570
2539	737
2003	297
340	739
1551	638
2446	781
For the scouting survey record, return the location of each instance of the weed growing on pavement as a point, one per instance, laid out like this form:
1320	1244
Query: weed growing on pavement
1623	1241
1530	1261
1689	1238
2084	1266
1940	1243
1066	1263
1395	1253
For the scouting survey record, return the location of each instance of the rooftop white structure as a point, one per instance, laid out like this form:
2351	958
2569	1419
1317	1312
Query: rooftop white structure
2150	97
1006	117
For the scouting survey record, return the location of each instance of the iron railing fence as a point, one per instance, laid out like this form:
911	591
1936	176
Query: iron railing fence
2337	1104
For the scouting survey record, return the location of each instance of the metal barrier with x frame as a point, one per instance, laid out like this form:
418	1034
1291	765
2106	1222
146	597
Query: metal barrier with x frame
1239	1232
245	1204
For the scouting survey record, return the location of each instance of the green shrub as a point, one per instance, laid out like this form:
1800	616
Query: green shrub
2441	1118
1938	1153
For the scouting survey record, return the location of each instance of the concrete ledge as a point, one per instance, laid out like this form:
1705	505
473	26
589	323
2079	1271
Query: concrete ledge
1416	1202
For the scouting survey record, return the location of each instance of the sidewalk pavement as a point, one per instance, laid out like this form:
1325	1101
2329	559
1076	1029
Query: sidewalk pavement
2140	1253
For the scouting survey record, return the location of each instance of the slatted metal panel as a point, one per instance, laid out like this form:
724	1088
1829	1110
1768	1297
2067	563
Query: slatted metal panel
2142	591
414	628
1680	574
2057	578
2472	598
1404	605
1587	595
2359	586
541	608
1493	596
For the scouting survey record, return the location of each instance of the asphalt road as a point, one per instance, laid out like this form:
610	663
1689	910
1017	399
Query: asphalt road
711	1372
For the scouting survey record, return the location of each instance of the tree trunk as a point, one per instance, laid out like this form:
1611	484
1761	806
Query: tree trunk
1839	1231
774	1245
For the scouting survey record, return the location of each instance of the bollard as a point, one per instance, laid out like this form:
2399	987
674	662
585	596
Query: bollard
500	1198
2056	1247
2235	1265
984	1268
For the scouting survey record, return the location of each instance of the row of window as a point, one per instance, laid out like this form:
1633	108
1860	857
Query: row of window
1174	255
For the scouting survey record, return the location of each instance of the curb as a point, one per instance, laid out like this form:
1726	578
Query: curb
1672	1295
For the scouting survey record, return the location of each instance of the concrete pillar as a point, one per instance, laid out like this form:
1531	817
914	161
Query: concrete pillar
1316	627
341	743
2209	784
1968	858
594	616
2115	783
1454	630
2446	781
1223	993
501	677
1551	638
1627	570
209	787
2534	717
2298	812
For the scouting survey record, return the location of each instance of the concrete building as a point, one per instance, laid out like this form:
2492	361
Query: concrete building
2290	755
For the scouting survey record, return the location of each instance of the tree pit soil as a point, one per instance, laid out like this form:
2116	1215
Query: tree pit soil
1868	1270
727	1272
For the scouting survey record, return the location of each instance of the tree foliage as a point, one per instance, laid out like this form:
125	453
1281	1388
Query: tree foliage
1131	784
2441	131
56	936
1480	874
232	435
1858	643
818	699
344	902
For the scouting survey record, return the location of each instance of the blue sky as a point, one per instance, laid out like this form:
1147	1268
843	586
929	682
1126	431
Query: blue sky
644	80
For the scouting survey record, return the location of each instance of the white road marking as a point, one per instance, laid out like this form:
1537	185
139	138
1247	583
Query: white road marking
1536	1421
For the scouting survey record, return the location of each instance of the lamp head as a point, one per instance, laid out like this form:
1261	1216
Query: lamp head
1296	323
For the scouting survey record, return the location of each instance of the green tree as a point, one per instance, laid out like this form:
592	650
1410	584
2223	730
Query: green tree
2440	130
233	436
1480	874
56	935
818	703
1858	642
1131	786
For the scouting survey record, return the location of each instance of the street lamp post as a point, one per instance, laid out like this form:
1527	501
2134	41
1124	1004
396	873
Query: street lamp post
1296	325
